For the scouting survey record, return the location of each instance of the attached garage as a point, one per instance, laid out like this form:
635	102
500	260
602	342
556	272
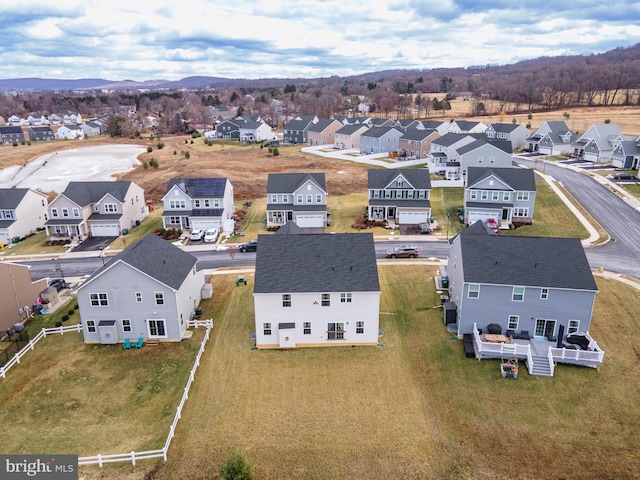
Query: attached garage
4	238
412	217
204	224
310	221
483	216
105	230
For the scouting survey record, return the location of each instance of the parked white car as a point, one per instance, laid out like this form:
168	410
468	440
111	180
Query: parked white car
211	235
196	234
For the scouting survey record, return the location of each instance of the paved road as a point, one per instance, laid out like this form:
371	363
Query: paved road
620	220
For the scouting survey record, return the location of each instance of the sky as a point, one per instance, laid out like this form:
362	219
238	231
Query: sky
166	39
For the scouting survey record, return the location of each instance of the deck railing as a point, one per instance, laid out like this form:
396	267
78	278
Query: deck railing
591	358
499	349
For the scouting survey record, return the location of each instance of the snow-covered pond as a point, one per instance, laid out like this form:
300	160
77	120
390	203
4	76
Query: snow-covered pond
54	171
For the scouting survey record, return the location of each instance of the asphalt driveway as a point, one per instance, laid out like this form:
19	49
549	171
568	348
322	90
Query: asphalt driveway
94	244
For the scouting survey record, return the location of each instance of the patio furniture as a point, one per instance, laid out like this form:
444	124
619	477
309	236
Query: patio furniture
494	328
127	344
139	343
241	281
495	338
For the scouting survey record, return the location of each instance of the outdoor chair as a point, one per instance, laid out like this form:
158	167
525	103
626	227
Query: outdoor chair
139	343
127	344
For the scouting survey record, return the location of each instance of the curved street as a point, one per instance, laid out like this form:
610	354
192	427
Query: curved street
621	221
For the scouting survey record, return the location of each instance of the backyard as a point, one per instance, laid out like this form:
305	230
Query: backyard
413	407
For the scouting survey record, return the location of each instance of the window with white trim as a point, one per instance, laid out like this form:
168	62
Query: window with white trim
91	326
274	199
285	198
299	200
574	326
110	207
473	195
176	204
54	212
286	299
138	297
484	195
157	328
517	294
65	212
520	212
523	196
474	290
306	328
326	299
99	299
319	198
309	198
126	325
513	322
360	326
544	294
76	212
345	298
159	298
266	328
495	196
506	196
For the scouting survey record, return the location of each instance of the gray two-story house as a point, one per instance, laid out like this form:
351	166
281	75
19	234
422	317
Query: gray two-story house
380	140
199	203
506	195
399	196
11	134
533	294
98	209
295	131
41	134
147	291
297	197
512	132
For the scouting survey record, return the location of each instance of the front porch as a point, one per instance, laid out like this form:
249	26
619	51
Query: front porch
540	354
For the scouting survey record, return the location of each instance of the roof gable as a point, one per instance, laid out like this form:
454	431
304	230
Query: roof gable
290	182
86	193
199	187
381	178
519	179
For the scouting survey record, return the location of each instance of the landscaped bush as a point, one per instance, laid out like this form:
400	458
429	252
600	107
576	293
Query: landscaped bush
160	145
71	312
149	149
153	163
187	155
58	324
64	318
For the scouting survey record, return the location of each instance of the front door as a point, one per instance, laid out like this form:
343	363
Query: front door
505	214
391	212
545	328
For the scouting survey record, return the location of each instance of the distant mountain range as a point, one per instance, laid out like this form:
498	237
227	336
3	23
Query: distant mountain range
22	84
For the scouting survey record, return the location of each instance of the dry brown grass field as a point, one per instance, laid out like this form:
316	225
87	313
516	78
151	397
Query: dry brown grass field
247	167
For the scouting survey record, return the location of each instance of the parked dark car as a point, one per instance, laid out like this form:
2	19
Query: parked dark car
58	283
403	251
250	246
624	176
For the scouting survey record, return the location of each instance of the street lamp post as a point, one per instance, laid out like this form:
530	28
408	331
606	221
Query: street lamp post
102	255
448	216
58	268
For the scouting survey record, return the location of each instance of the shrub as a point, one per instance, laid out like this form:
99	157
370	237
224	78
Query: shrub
28	143
236	467
76	306
529	117
145	165
64	318
160	145
58	323
15	144
149	149
187	155
153	163
275	151
70	312
528	124
607	120
22	142
151	137
186	141
175	152
195	134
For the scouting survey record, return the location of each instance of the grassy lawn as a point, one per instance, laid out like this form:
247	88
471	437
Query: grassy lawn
67	397
447	200
413	408
551	217
33	245
149	224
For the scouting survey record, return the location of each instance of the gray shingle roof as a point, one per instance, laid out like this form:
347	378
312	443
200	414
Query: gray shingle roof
86	193
290	182
524	261
379	132
520	179
416	134
157	258
10	198
350	129
342	262
449	139
503	145
381	177
321	125
504	127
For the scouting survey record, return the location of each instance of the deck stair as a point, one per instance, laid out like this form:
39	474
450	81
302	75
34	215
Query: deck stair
541	367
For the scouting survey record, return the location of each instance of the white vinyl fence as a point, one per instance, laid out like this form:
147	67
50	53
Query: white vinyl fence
130	456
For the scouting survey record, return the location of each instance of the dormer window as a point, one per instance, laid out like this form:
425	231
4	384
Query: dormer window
96	207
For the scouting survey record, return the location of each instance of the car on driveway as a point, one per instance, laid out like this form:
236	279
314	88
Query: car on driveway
424	228
403	251
211	235
196	234
250	246
58	283
492	224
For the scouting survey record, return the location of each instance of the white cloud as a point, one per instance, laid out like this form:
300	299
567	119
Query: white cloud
126	39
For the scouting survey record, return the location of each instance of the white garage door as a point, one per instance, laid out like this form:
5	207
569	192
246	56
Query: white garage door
309	221
4	238
204	224
412	218
483	216
105	230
